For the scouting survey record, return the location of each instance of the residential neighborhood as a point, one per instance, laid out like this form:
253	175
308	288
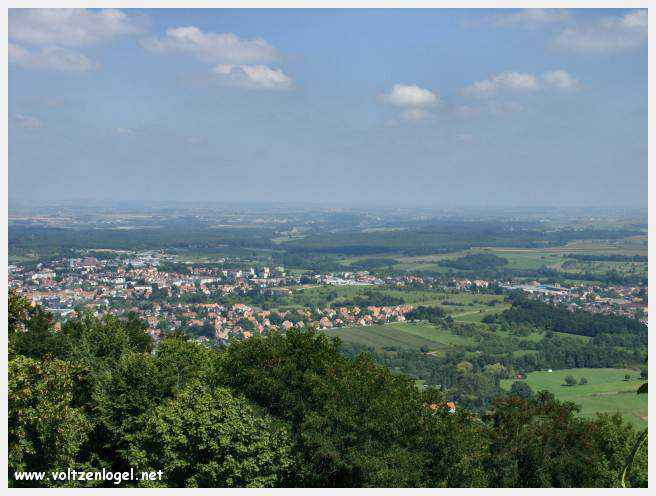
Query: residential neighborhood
211	302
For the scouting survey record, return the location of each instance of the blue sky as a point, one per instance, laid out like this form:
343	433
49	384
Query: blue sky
430	107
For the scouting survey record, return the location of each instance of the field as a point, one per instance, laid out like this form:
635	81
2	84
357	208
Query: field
454	303
536	258
400	335
606	391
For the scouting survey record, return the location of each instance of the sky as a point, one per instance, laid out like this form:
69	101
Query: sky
350	107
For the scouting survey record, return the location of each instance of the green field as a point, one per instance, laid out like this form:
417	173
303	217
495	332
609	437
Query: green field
606	391
399	335
333	295
536	258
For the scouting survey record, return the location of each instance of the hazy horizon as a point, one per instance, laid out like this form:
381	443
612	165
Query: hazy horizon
409	108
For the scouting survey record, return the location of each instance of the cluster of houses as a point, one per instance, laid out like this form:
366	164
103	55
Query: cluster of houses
201	297
628	301
165	298
240	320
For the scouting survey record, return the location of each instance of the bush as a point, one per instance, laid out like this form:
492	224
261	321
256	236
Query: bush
521	389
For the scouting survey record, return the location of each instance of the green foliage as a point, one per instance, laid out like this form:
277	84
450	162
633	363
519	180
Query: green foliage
354	423
634	458
542	443
45	430
209	438
18	312
559	318
102	340
122	396
370	298
431	314
521	389
286	410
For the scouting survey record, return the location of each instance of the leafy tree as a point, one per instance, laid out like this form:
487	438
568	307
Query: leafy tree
354	424
102	340
45	431
30	329
570	380
209	438
17	312
544	443
180	360
431	314
464	367
122	396
583	381
521	389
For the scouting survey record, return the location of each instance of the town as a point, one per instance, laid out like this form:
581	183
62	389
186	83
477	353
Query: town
212	302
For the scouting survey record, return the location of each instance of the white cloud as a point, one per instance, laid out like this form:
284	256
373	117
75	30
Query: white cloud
410	96
27	122
561	80
257	77
212	47
531	17
609	35
506	81
70	27
516	82
50	58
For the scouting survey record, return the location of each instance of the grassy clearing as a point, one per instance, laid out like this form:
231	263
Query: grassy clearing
380	336
478	314
325	295
402	335
606	391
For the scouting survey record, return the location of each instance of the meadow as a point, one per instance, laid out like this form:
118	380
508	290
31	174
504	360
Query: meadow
400	335
605	392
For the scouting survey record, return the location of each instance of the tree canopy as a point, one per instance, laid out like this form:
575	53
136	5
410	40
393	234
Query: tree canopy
285	410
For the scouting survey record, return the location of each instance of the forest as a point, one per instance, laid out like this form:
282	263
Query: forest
558	318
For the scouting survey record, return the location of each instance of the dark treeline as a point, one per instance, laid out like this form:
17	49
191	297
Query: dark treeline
431	314
445	237
287	410
559	318
46	240
370	298
547	275
607	258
